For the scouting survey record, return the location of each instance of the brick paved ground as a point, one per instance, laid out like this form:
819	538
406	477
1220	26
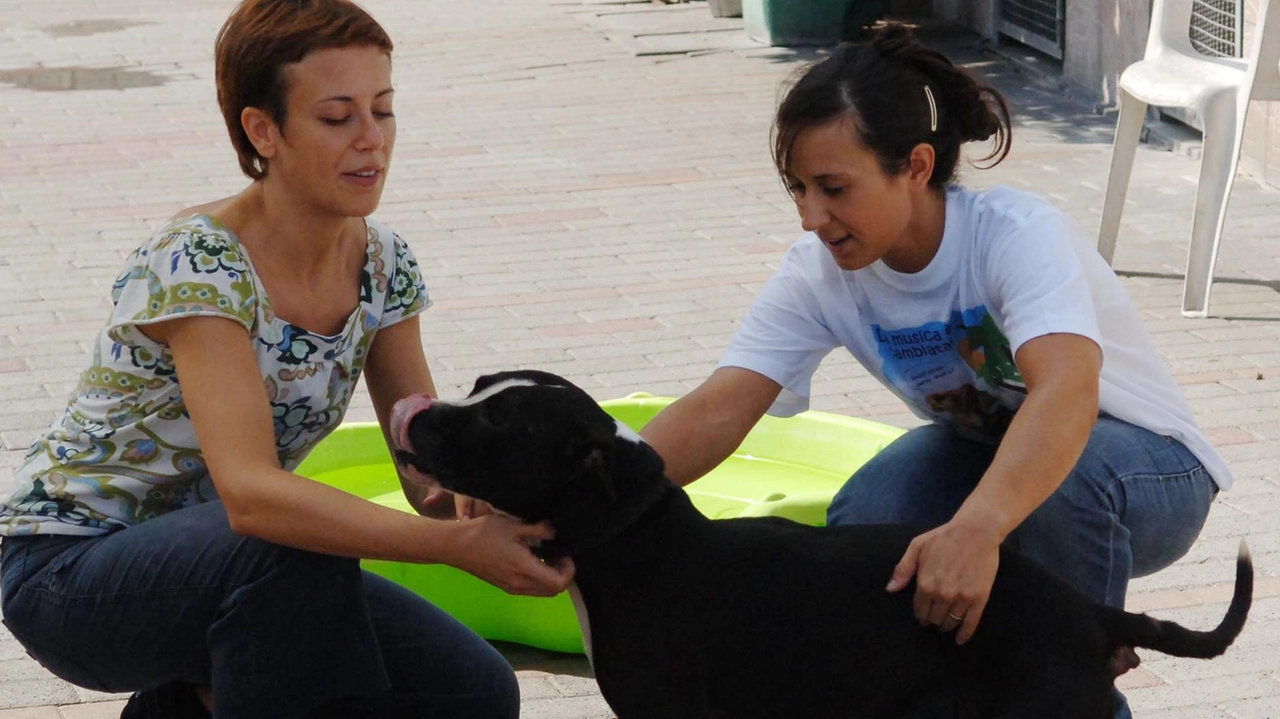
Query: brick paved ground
587	199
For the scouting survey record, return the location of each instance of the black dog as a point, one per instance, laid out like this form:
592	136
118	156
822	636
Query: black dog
746	618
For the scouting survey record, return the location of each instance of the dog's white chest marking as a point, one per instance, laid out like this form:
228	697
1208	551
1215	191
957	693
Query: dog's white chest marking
580	608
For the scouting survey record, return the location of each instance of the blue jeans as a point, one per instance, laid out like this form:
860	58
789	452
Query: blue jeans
276	632
1133	504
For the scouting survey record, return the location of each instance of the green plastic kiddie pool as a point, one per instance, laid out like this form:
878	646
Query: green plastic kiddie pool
785	467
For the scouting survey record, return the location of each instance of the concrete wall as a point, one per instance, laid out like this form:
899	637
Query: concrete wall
1105	36
977	15
1101	36
1260	156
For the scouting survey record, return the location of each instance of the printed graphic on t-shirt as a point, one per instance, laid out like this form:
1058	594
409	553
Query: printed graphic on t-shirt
960	371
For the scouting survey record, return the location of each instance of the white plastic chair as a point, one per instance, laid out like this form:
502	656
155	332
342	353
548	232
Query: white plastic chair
1173	74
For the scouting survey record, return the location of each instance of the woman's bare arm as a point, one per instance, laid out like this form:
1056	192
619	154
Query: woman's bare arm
700	430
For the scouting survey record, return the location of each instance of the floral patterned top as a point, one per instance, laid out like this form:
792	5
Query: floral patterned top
125	451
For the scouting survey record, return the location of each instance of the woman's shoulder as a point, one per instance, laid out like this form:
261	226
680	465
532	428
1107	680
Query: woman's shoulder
196	246
393	279
196	227
190	247
389	253
386	240
1001	203
1016	231
997	218
378	227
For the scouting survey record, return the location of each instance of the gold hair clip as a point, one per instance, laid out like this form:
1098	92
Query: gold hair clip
933	109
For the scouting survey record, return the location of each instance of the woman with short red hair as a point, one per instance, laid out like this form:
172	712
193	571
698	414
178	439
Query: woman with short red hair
159	541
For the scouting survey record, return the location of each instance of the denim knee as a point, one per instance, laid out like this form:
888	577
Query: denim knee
505	700
495	693
295	635
921	478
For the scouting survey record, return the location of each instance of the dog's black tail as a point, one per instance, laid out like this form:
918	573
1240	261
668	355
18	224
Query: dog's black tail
1139	630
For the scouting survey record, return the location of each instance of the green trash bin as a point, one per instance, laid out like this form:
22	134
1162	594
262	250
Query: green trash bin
808	22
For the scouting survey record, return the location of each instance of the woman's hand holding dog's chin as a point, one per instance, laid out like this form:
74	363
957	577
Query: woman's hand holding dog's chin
497	550
954	566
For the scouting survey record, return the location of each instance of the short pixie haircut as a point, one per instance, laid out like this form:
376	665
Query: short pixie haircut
260	38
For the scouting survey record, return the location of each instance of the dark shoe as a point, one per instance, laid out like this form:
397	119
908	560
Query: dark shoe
174	700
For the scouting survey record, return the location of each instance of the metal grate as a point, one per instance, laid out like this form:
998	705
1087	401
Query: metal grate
1215	27
1037	23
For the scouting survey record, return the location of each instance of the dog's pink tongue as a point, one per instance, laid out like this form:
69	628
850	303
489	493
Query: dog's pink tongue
402	413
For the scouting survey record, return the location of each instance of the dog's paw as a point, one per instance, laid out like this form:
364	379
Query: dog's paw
1122	660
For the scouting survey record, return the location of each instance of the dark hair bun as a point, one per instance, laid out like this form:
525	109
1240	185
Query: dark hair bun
976	110
892	38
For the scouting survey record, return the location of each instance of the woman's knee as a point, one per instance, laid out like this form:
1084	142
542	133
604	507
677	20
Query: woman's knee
503	701
921	478
430	655
862	500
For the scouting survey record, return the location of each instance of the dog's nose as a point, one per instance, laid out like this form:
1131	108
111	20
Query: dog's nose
402	413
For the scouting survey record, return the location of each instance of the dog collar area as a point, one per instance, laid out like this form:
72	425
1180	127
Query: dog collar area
614	524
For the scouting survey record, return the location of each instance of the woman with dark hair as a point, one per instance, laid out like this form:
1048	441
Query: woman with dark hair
159	541
1052	422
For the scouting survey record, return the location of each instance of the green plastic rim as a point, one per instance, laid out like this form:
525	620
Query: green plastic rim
786	467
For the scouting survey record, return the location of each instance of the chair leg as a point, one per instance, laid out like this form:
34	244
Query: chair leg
1220	156
1128	131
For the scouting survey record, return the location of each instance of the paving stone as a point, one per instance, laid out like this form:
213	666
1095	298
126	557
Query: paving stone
92	710
40	712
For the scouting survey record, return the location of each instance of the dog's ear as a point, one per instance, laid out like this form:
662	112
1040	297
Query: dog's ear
593	468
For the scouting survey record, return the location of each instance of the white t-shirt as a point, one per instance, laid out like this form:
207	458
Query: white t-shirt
1011	267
